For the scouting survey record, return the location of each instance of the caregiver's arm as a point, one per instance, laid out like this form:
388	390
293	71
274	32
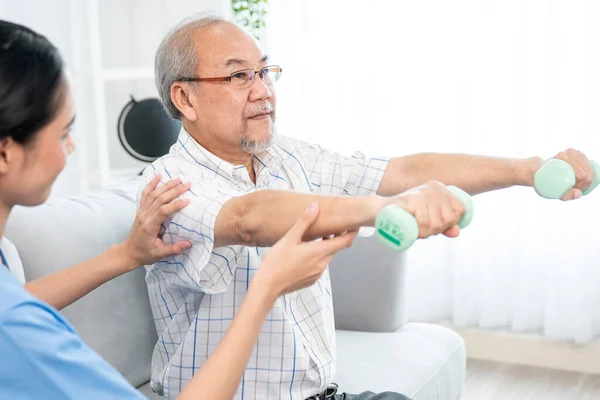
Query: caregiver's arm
141	247
477	174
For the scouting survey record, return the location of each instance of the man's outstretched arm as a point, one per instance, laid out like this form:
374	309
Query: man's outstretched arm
476	174
262	218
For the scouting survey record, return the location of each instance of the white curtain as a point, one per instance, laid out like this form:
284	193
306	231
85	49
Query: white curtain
511	78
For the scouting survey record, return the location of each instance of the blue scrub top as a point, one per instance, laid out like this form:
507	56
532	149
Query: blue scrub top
42	357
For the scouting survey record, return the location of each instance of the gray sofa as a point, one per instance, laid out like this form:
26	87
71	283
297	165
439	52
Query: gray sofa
376	349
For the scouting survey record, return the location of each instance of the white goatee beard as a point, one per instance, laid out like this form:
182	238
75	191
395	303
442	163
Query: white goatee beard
254	146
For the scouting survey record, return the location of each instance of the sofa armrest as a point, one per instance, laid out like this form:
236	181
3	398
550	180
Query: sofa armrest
368	281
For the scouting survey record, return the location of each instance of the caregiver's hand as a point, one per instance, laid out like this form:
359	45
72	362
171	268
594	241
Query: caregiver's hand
292	264
143	246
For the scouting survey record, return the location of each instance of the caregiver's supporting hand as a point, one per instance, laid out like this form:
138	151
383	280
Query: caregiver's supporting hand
142	246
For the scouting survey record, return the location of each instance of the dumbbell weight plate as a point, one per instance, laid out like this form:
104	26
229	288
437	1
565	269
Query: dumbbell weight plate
596	180
396	228
467	202
554	179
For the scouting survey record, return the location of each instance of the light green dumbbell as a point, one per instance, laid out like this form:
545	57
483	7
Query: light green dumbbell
398	229
556	177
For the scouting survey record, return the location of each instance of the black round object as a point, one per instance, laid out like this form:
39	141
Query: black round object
145	129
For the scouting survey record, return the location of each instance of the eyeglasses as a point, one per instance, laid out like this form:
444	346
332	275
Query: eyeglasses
244	77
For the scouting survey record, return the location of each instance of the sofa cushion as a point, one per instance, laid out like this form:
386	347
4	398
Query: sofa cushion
421	361
12	258
115	320
385	276
146	390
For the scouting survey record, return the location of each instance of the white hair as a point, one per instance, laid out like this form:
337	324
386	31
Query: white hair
176	57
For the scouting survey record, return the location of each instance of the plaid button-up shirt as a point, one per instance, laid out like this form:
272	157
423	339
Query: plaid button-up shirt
195	296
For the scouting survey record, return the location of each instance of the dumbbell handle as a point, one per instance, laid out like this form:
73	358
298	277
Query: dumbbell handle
398	229
556	177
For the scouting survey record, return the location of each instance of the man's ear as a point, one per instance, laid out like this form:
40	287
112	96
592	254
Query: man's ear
183	96
8	149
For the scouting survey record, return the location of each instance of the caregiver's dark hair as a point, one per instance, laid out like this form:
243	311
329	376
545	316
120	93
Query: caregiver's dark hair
31	76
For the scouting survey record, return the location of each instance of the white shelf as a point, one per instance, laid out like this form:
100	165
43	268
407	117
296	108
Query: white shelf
120	74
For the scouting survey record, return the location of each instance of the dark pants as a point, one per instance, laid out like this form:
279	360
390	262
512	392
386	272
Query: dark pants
331	393
371	396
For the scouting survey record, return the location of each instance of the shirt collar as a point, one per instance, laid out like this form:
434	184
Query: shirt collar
4	262
194	152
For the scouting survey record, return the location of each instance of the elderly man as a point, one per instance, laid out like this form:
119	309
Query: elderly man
249	186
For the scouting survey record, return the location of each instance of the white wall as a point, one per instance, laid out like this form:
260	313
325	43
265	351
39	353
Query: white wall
36	15
129	32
